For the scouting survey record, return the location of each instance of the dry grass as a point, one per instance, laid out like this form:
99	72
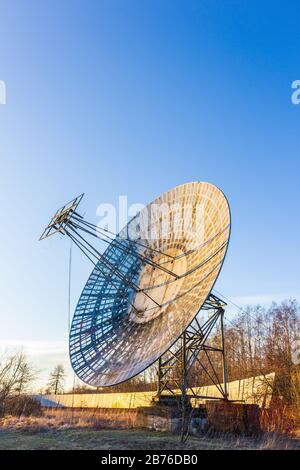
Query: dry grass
52	432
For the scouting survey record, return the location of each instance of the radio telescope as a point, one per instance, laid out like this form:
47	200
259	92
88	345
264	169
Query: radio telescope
148	290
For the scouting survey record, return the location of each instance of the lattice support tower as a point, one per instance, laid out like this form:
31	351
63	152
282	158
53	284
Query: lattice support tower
175	365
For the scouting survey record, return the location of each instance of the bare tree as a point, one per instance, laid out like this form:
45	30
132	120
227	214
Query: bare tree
284	330
16	374
56	380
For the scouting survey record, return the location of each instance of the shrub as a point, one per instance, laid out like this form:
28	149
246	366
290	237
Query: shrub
22	405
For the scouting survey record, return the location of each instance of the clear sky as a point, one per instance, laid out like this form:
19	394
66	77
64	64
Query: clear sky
132	98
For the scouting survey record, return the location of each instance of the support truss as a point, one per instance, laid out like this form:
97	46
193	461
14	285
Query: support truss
175	365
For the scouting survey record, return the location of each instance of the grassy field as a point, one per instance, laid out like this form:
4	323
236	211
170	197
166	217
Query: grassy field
38	434
115	439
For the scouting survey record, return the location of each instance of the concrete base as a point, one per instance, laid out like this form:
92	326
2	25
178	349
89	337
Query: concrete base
162	418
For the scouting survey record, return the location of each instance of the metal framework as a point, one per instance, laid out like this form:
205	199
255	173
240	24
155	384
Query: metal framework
174	366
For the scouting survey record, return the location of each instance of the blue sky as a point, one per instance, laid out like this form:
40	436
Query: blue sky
135	97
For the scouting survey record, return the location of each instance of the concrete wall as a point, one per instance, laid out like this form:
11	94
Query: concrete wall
253	390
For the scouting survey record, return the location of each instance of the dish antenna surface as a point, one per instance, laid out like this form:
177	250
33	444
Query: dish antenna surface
150	283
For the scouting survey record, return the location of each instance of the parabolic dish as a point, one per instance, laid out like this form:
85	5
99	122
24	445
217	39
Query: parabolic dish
119	330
